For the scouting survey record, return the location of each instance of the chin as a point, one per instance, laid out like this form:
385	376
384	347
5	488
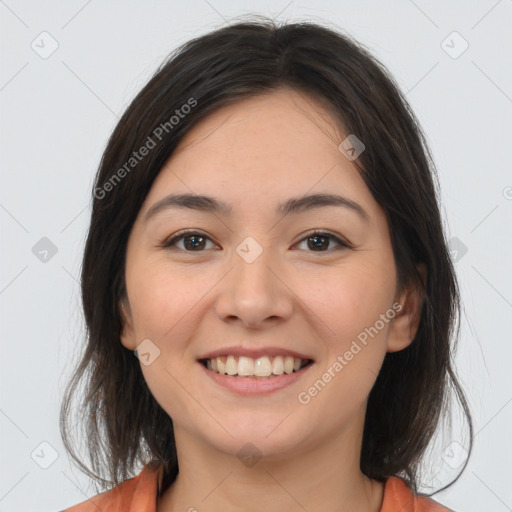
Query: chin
268	437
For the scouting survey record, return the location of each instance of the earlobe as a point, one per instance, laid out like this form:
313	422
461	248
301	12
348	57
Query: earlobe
127	338
404	327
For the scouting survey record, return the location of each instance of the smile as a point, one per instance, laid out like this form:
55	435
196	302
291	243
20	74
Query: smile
264	367
263	374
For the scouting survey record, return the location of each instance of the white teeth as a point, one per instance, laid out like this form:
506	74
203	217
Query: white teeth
278	365
231	366
261	367
245	366
288	364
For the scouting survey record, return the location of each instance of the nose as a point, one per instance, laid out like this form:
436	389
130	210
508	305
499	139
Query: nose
255	294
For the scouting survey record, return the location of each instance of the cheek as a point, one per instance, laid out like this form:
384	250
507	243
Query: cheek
348	300
355	345
162	298
164	305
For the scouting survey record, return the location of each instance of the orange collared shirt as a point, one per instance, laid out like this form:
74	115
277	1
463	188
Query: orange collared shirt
139	494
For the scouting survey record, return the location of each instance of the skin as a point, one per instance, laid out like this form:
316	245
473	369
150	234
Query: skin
254	155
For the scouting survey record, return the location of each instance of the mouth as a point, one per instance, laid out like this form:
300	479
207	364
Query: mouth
265	367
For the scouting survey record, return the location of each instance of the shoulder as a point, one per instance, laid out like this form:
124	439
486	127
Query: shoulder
138	494
397	496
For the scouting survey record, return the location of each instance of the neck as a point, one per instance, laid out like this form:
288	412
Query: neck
325	477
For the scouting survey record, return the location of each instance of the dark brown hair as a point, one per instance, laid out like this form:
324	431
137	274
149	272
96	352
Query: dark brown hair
124	425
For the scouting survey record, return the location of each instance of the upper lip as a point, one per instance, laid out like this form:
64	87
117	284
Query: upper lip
254	353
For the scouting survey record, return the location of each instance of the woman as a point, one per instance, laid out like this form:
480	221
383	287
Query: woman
266	239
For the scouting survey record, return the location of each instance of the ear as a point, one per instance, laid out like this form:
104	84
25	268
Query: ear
404	326
127	333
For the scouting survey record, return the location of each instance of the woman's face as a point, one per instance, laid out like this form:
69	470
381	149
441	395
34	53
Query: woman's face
252	285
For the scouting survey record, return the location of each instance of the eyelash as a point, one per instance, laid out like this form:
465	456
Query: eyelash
171	242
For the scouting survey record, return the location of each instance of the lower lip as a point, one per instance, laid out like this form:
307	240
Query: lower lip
254	386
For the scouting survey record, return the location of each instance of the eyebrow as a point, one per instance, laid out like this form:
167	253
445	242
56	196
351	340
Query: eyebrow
294	205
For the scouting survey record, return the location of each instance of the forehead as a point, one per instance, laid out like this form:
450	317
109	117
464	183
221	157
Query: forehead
262	150
277	122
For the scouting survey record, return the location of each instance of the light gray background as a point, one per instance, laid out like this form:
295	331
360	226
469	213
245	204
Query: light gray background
57	113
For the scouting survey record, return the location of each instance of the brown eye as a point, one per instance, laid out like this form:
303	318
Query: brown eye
319	241
192	242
